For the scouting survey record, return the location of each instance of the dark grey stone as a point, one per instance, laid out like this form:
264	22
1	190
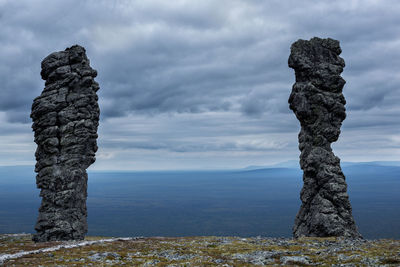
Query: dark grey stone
65	120
318	104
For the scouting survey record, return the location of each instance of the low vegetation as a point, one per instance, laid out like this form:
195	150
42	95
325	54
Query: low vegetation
205	251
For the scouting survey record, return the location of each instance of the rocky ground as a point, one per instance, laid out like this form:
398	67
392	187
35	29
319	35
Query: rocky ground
19	250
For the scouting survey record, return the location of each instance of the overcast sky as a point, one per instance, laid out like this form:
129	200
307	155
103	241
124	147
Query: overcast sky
202	84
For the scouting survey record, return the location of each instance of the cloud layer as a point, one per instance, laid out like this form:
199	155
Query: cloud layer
204	82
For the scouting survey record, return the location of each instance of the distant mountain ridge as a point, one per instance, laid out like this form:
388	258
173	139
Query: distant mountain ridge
295	164
285	164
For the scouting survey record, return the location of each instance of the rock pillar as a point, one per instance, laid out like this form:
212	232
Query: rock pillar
318	104
65	120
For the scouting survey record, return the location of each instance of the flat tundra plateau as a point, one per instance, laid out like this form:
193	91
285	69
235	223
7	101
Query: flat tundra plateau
19	250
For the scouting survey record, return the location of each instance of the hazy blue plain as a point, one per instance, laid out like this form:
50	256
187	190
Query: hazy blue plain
192	203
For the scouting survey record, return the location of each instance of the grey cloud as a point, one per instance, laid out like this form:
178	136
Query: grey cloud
10	129
372	89
185	146
18	116
269	98
181	85
202	76
154	57
253	106
374	120
177	58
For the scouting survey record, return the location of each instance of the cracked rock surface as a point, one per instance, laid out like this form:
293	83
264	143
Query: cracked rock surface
65	120
318	104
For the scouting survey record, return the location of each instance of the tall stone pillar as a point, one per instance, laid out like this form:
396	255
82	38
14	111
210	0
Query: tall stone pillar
65	120
318	104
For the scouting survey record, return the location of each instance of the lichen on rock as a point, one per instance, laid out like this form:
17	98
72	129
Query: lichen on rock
65	120
318	104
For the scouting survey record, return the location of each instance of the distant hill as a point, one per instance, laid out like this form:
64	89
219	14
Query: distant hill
295	164
23	170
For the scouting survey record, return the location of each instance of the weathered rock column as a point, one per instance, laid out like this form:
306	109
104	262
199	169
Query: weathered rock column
318	104
65	120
